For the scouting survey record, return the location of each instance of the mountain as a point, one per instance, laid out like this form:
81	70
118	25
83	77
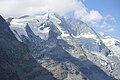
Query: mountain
114	46
16	62
54	44
7	72
104	50
86	36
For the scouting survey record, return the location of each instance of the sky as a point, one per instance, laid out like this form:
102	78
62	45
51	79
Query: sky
102	15
110	8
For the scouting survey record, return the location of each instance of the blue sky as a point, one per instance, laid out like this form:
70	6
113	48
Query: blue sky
107	7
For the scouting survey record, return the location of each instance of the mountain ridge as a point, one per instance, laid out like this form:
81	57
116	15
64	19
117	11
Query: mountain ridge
16	62
50	44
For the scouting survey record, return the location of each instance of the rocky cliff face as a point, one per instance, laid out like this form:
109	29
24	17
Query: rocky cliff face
113	45
87	37
16	62
104	50
54	47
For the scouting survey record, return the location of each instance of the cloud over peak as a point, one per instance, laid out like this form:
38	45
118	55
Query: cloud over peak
21	7
62	7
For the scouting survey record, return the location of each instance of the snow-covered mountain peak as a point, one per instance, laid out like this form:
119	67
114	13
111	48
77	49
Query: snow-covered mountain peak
113	44
37	23
109	40
43	17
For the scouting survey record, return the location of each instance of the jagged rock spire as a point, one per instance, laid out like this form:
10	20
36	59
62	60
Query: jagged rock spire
48	17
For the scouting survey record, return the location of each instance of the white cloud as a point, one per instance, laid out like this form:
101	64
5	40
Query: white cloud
94	16
110	17
108	23
107	26
20	7
111	30
101	33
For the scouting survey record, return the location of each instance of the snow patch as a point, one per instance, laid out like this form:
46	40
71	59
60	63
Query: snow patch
110	43
34	23
103	59
85	35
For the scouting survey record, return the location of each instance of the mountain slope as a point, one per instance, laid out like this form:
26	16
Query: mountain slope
104	52
113	45
16	62
52	45
87	37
